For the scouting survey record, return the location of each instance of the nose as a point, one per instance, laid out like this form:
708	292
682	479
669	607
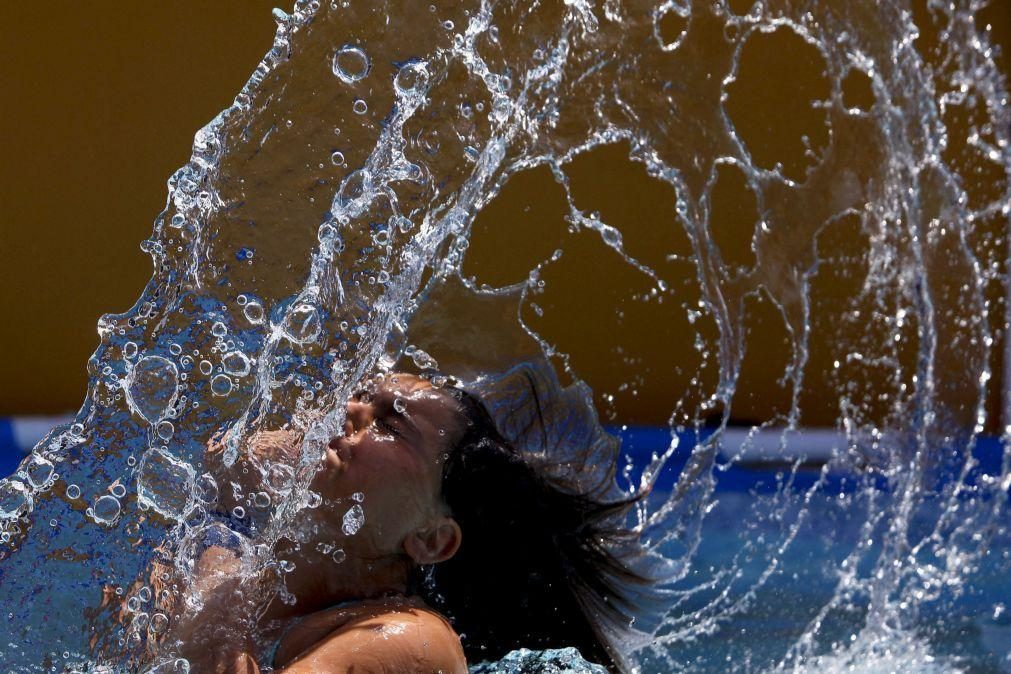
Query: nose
359	417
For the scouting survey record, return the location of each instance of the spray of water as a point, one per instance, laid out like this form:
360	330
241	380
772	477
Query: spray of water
333	203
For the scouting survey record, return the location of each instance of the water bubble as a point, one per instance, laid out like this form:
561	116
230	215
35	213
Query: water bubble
73	492
219	329
411	79
253	311
302	324
360	107
358	497
177	220
118	490
352	187
399	405
165	430
152	387
221	385
14	500
105	510
236	363
206	367
261	500
354	518
164	483
339	556
205	489
175	349
130	350
39	472
401	223
423	361
238	512
381	237
279	478
337	158
159	623
351	64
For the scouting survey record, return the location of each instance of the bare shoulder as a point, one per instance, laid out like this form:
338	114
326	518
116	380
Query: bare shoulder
389	636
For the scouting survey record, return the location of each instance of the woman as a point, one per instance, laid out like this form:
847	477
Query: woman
460	531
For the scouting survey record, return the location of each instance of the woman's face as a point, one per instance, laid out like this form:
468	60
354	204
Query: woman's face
389	461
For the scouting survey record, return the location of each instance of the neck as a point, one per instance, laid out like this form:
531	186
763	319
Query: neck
318	582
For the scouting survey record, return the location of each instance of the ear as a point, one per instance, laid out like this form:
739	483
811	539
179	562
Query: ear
435	543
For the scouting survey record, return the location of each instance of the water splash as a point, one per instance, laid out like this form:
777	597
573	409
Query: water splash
789	149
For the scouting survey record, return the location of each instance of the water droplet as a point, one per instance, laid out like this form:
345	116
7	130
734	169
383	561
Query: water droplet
236	364
302	324
165	430
354	518
39	471
279	478
205	489
73	492
411	79
401	223
164	483
423	361
14	500
130	350
221	385
351	64
360	107
106	510
152	387
159	623
337	158
253	311
352	187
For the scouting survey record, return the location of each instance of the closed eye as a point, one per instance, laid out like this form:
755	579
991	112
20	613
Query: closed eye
388	428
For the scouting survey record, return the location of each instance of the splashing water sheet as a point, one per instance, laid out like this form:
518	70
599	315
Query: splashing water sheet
335	200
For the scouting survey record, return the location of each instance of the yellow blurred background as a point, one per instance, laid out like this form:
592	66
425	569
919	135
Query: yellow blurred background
101	103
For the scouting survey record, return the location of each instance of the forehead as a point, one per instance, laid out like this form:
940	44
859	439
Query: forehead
424	403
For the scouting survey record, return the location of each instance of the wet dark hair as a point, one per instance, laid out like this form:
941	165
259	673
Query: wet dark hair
545	560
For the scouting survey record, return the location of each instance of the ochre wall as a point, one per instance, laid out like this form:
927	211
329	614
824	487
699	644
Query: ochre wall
101	100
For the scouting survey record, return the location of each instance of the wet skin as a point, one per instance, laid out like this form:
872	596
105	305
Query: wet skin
390	454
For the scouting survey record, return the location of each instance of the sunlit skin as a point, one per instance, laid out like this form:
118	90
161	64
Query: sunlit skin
394	442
